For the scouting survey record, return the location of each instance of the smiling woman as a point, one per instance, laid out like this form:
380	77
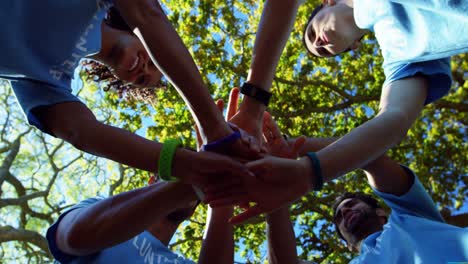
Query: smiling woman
100	73
142	88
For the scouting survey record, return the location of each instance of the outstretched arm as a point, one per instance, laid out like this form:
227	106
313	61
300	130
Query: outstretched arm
383	173
273	32
172	58
280	233
281	237
76	124
401	103
106	223
218	240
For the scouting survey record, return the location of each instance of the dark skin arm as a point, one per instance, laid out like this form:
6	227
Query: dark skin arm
106	223
168	52
76	124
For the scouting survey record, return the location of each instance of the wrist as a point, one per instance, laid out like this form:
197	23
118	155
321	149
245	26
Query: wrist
180	161
316	177
219	130
307	172
256	92
166	158
253	108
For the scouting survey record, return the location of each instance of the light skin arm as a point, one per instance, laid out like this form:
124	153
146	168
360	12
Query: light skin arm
401	103
383	173
172	58
281	237
218	241
273	32
106	223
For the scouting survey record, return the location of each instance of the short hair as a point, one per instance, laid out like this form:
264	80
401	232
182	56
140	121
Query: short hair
114	19
366	198
99	72
314	13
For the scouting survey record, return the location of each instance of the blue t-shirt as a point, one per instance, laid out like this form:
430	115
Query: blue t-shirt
417	37
42	43
415	233
143	248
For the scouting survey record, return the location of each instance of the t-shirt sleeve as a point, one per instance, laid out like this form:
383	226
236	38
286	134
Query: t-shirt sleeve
52	232
415	202
32	94
438	73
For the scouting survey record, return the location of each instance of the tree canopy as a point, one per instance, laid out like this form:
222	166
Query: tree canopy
41	176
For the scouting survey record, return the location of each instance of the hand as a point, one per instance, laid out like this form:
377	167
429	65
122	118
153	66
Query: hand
207	168
248	119
277	182
275	142
247	147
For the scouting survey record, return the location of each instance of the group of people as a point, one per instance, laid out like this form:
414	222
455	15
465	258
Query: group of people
45	40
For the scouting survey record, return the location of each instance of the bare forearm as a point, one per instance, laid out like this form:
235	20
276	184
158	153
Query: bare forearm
314	144
273	32
218	242
118	145
106	223
281	237
173	59
362	145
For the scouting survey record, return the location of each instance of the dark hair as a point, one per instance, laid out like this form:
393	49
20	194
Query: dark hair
366	198
316	10
114	19
99	72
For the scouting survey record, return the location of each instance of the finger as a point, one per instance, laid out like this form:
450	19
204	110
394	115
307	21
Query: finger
199	138
298	143
229	201
273	126
220	105
244	216
232	104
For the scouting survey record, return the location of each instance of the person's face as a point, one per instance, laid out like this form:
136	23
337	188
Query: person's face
332	30
128	59
356	220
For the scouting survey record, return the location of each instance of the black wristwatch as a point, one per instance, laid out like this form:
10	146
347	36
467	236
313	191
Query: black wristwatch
256	92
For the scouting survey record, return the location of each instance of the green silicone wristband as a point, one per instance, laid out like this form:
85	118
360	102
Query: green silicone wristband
165	159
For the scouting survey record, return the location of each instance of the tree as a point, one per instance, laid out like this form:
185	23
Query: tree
41	176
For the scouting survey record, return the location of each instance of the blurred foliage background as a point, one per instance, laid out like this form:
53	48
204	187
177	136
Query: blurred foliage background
41	176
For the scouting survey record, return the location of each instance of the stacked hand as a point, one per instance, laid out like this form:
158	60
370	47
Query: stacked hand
277	181
209	168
